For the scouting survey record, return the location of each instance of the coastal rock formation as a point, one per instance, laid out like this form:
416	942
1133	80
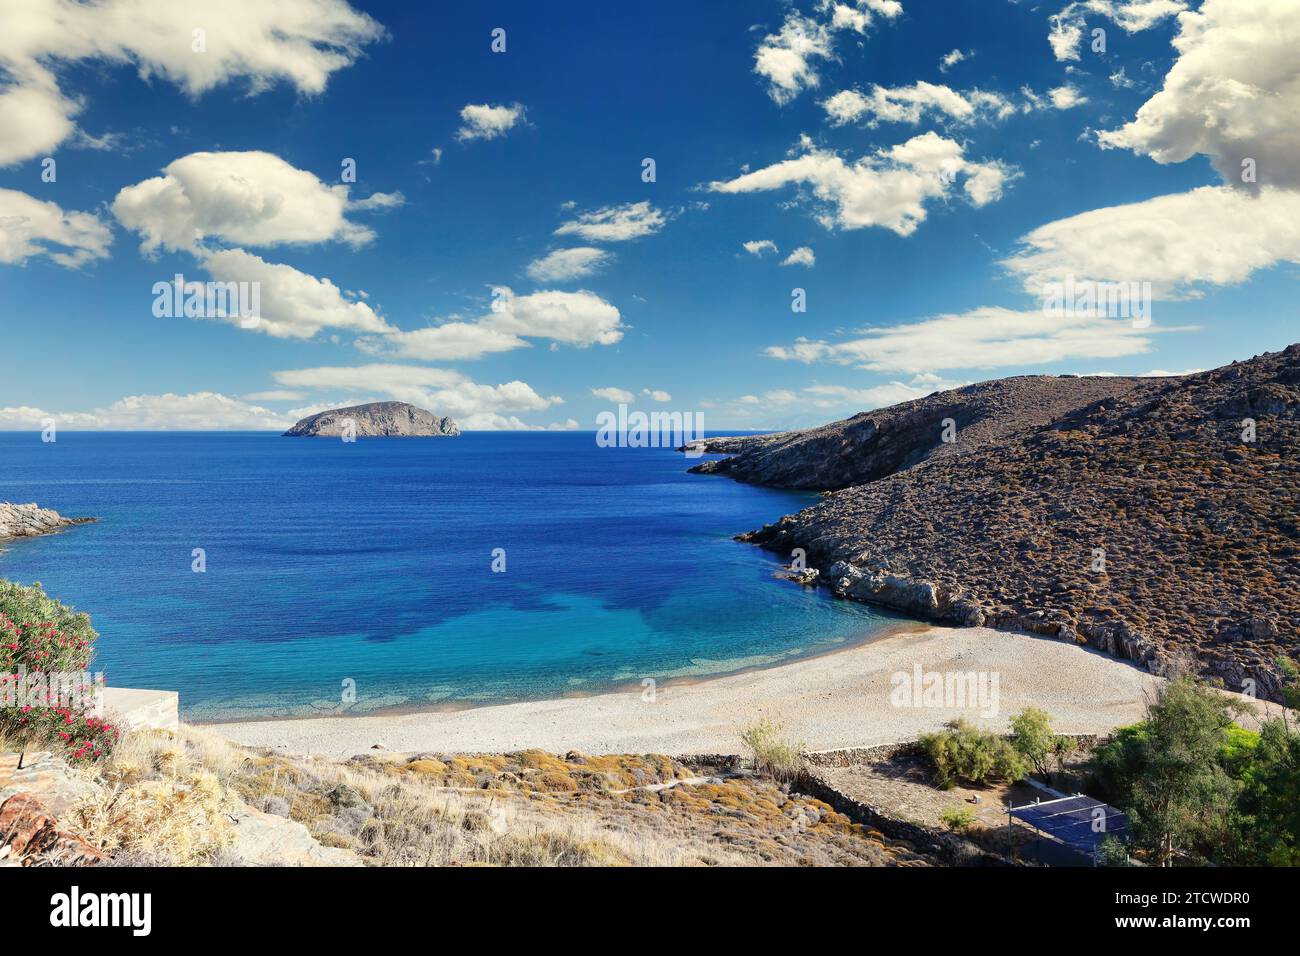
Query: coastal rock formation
375	420
1155	519
25	521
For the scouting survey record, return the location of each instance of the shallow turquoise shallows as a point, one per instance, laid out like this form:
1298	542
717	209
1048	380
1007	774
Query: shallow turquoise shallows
370	564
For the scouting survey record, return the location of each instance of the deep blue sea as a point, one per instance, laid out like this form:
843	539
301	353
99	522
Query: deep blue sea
372	562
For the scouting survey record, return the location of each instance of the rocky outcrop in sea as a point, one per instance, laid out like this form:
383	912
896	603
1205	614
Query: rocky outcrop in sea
375	420
25	521
1154	519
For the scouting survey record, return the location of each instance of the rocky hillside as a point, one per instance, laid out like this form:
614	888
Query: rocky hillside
375	420
24	521
1126	514
875	444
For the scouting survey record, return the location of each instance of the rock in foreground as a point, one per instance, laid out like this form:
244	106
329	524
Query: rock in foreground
26	521
375	420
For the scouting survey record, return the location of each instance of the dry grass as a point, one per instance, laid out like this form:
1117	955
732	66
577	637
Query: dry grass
164	800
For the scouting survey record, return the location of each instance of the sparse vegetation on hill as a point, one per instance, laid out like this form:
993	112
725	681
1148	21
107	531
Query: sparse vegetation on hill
1153	519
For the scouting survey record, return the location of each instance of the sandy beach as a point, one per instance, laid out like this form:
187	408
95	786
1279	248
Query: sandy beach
843	699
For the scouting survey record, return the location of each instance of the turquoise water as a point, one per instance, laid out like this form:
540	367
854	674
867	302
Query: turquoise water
371	563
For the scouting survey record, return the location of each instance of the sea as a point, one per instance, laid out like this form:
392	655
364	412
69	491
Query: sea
263	576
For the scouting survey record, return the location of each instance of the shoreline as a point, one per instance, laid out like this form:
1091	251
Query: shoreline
838	699
900	627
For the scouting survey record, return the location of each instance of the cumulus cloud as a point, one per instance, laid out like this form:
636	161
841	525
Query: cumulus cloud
442	391
1066	97
656	395
910	104
1232	94
574	318
615	223
299	42
803	256
986	337
620	396
1067	27
483	121
293	304
197	411
788	59
31	228
1215	235
246	198
578	318
759	247
564	264
888	188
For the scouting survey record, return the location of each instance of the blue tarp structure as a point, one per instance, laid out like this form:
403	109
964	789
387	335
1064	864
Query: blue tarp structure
1079	822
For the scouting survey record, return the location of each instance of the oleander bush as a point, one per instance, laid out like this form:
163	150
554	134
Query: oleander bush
41	637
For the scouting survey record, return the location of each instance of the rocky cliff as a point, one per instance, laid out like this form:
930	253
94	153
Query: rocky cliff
1141	517
375	420
24	521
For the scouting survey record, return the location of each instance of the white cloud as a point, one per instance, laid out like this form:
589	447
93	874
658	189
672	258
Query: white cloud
30	227
656	394
293	304
803	256
952	58
442	391
1067	27
449	342
246	198
1215	235
888	188
986	337
482	121
1066	97
578	318
300	42
197	411
615	223
564	264
758	247
620	396
575	318
910	104
844	399
275	395
788	59
1232	94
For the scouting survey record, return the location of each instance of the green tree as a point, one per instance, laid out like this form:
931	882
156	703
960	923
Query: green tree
1031	735
1183	795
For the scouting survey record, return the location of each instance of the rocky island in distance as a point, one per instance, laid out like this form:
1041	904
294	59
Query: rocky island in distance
375	420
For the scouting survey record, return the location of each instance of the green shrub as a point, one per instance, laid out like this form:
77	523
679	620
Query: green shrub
963	752
958	819
773	755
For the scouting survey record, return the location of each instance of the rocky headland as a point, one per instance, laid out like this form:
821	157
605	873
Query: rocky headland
26	521
375	420
1155	519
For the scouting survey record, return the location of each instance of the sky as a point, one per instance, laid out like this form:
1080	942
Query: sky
771	214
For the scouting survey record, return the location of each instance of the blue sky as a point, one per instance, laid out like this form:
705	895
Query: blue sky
932	202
